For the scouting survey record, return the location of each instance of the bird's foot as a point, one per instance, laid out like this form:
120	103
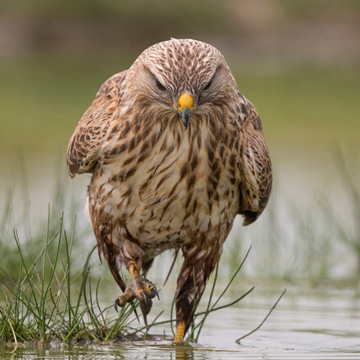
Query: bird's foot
141	289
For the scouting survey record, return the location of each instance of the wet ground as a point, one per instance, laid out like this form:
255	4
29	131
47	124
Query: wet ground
306	324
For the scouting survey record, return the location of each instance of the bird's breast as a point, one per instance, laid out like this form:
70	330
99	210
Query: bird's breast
165	192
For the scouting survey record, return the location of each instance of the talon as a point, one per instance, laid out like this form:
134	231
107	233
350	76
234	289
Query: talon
145	309
144	297
141	289
122	301
146	323
116	304
156	292
152	291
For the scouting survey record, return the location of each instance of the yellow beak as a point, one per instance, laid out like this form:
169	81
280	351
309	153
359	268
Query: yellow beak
185	100
185	108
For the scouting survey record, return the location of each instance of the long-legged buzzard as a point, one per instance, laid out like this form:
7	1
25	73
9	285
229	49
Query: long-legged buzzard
176	152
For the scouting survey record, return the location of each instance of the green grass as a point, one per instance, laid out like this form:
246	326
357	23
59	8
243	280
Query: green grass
45	292
50	300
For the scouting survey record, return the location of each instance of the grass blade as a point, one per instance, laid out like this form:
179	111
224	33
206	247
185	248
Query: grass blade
262	323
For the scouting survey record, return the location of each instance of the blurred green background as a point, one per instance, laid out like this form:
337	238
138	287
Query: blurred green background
298	61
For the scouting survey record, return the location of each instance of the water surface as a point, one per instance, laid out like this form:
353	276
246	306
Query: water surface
307	324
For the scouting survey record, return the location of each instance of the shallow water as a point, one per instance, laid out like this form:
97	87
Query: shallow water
306	324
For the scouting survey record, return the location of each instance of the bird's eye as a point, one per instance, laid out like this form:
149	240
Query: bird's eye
159	85
207	85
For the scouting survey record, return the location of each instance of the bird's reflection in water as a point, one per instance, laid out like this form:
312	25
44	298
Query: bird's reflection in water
183	352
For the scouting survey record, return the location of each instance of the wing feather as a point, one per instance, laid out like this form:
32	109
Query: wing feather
87	139
256	172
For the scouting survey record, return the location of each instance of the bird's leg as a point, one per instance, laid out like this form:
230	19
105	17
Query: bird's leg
180	332
191	283
187	298
139	288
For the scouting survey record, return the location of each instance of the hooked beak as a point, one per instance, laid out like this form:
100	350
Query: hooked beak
185	108
185	115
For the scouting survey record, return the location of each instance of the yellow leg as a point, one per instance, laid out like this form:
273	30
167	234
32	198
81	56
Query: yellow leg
139	288
180	332
133	269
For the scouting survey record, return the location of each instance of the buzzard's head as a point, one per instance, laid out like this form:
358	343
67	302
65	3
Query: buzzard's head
183	78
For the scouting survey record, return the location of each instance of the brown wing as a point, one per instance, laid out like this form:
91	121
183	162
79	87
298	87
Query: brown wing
256	173
86	141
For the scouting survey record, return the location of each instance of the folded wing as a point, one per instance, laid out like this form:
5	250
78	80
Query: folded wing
89	134
256	173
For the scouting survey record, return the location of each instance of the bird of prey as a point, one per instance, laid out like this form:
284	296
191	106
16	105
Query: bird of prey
176	152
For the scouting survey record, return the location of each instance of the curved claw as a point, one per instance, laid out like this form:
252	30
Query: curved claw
145	309
145	319
116	304
141	289
146	323
152	291
144	297
156	292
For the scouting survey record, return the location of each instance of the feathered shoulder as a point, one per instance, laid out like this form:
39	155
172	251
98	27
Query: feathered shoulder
256	172
86	141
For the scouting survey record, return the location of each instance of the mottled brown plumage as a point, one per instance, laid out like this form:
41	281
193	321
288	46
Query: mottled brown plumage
176	152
